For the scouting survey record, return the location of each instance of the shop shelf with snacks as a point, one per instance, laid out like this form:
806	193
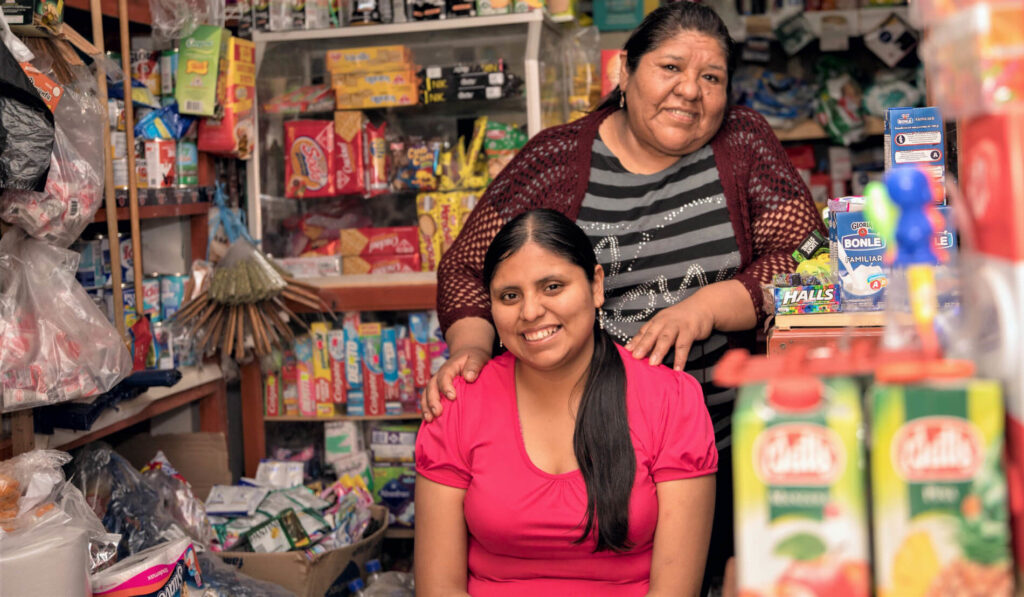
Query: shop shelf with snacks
809	130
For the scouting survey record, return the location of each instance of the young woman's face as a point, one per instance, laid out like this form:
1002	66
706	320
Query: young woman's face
676	98
543	308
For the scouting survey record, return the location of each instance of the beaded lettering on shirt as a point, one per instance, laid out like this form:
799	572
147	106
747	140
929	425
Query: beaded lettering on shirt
695	278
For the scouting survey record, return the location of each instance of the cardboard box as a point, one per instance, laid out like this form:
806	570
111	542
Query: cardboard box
234	134
394	240
202	458
198	67
380	264
324	574
369	59
915	136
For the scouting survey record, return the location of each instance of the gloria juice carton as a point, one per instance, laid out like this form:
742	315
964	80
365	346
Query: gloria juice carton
939	491
800	506
321	369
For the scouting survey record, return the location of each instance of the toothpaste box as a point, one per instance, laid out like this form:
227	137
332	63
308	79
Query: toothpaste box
290	388
850	235
370	337
355	406
406	386
336	353
272	394
389	363
321	369
419	334
353	360
304	376
914	136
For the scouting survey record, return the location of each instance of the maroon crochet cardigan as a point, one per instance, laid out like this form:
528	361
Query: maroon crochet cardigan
769	204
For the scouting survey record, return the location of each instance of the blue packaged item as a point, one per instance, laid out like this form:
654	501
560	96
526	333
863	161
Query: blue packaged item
389	354
353	361
915	136
858	255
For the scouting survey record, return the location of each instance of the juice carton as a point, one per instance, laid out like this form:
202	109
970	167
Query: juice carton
304	376
336	353
272	394
198	69
373	368
939	490
321	369
801	513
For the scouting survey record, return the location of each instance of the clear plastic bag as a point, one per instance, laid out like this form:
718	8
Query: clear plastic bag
55	343
74	186
125	503
178	500
26	124
177	19
38	506
223	580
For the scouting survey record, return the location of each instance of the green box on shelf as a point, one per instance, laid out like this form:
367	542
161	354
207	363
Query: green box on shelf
198	68
618	15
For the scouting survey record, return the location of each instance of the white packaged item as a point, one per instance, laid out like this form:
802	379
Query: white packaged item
49	559
234	500
279	474
341	438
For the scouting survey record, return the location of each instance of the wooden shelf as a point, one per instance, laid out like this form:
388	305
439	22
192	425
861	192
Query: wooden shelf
298	418
809	130
830	320
399	533
195	385
376	292
138	10
149	212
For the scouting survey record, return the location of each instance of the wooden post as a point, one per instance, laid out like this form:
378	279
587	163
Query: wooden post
108	171
129	121
254	440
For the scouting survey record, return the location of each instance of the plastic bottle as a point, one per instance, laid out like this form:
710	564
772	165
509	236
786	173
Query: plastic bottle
355	588
373	569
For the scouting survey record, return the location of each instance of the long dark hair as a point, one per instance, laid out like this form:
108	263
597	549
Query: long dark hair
601	439
665	23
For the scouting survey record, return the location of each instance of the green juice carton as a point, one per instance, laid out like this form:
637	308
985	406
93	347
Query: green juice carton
939	492
198	67
799	490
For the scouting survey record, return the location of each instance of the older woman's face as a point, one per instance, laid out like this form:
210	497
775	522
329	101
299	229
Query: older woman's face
676	98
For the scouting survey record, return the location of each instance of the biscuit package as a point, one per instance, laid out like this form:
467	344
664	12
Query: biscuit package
364	242
381	264
349	140
440	216
309	158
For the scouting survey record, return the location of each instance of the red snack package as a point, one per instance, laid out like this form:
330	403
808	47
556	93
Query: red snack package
349	171
375	155
309	158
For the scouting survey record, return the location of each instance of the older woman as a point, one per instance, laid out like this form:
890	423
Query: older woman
690	204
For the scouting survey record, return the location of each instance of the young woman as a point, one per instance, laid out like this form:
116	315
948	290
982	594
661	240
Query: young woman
566	468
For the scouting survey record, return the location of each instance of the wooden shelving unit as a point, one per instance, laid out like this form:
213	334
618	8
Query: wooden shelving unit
809	130
376	292
150	212
296	419
399	533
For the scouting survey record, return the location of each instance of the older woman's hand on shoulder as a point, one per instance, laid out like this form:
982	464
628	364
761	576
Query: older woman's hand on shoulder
723	306
469	344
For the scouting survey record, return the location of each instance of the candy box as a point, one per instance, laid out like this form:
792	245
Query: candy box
939	495
799	492
349	141
198	68
234	133
819	298
309	158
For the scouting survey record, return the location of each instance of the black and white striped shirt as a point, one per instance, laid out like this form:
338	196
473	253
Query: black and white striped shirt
660	237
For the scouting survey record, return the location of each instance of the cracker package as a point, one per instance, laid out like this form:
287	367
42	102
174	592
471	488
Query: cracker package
381	264
393	96
349	141
309	158
368	59
364	242
233	134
